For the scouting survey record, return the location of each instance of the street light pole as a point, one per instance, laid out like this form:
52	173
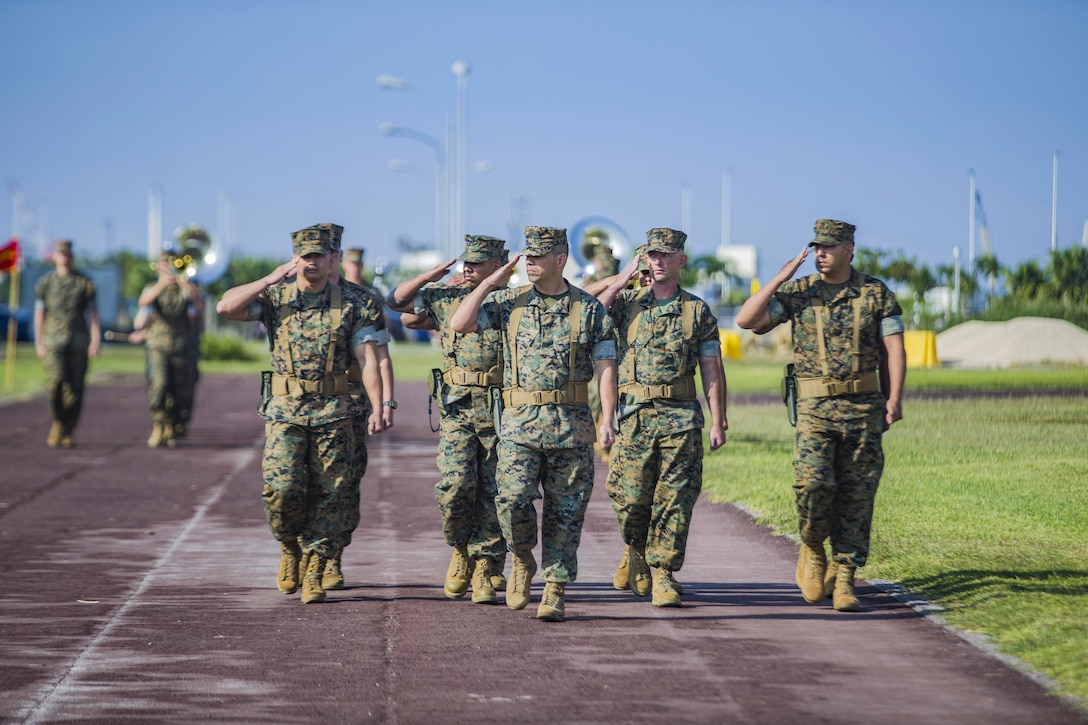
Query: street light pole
460	70
447	240
440	205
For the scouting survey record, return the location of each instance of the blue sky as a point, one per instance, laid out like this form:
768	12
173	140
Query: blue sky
872	112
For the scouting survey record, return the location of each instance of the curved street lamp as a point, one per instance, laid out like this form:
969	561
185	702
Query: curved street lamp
440	221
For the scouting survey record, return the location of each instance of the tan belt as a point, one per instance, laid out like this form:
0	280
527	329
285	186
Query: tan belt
569	394
821	388
460	376
679	389
328	385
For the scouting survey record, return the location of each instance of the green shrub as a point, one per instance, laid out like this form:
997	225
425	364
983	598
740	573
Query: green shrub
225	347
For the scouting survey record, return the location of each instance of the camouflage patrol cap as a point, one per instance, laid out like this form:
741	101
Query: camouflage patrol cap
664	240
643	262
335	232
311	240
830	233
540	240
63	246
479	248
354	254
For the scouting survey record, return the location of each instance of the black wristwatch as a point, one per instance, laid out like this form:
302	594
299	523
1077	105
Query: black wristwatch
389	404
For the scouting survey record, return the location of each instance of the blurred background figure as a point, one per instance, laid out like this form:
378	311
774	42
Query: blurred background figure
353	265
65	299
172	304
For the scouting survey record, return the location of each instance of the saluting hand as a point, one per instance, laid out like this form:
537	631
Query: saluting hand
790	268
501	276
437	273
282	273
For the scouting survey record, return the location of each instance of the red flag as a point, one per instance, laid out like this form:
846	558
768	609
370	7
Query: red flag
9	255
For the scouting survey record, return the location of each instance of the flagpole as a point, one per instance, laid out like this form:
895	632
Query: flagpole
13	326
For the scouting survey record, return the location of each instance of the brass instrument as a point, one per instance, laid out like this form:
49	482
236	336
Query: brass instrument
194	255
597	240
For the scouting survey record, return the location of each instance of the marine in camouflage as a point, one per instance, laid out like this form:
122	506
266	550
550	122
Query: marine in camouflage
65	301
310	458
373	312
838	458
169	363
467	446
656	470
547	450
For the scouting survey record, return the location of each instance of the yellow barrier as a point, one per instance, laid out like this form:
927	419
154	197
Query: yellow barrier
921	347
731	347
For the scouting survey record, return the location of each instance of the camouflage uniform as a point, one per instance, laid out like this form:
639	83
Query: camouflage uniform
309	460
656	471
66	301
169	363
837	455
547	447
467	448
372	306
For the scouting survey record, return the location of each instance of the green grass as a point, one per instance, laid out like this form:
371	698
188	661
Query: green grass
983	510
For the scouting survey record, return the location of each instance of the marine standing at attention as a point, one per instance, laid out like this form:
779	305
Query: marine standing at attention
554	336
316	329
663	334
850	367
468	442
64	300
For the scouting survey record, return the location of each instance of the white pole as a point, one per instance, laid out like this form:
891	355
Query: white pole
685	208
460	69
726	213
154	222
448	241
956	279
971	227
1054	208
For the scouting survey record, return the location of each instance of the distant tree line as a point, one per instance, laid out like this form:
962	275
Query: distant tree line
990	291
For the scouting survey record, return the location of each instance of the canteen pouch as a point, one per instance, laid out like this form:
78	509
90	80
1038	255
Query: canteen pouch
789	394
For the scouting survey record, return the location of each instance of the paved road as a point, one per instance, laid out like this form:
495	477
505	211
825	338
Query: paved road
141	588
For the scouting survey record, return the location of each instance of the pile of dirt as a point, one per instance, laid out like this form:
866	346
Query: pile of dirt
1021	341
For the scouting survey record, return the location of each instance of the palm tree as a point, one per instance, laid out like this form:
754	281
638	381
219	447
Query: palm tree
990	268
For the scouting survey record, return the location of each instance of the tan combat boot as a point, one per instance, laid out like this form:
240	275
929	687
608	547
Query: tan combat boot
457	574
482	591
521	580
829	577
498	581
552	607
168	438
332	577
312	592
156	436
843	597
290	554
638	575
620	578
811	568
55	432
66	440
665	593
